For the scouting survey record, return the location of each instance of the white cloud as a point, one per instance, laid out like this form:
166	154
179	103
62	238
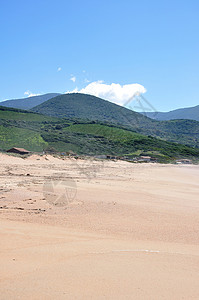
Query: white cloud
30	94
113	92
73	91
59	69
73	78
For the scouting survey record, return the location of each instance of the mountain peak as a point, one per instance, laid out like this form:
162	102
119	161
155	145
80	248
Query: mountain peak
29	102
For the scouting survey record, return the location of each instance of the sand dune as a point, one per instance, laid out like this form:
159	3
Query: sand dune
80	229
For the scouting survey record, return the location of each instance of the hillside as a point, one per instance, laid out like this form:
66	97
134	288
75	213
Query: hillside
38	132
84	106
19	128
191	113
88	107
28	103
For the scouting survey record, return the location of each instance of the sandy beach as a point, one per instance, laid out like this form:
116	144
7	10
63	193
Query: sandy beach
85	229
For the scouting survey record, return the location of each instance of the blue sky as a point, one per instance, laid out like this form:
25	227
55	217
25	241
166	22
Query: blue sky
151	43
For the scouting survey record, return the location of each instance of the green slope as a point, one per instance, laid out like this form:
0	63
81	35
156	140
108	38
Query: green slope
125	141
22	138
19	128
88	107
84	106
37	132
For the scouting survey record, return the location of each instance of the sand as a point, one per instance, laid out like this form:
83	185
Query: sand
109	230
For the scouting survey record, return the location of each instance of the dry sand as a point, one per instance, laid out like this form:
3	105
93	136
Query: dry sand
118	231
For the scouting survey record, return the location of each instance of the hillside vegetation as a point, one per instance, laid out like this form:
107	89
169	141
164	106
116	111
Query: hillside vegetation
89	107
81	106
37	133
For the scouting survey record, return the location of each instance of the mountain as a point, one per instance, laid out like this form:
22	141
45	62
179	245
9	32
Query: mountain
28	103
87	107
35	132
84	106
191	113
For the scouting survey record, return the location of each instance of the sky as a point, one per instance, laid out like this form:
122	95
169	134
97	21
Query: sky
111	49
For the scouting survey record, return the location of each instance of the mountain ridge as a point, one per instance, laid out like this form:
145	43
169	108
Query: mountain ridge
90	108
36	132
82	106
28	102
188	113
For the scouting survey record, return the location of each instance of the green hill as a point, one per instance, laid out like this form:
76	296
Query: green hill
19	137
19	128
89	107
36	132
